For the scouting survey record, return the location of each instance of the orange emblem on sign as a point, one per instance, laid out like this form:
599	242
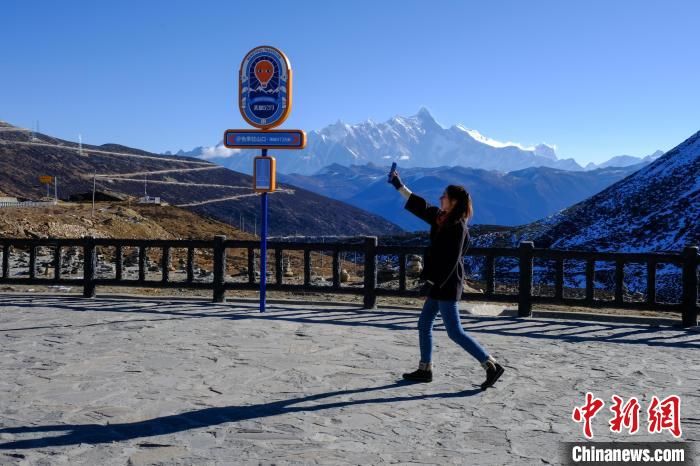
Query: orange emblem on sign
263	71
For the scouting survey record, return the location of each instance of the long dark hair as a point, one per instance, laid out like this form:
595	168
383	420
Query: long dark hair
463	210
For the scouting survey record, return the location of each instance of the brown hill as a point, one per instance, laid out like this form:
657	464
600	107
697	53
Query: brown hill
111	220
200	186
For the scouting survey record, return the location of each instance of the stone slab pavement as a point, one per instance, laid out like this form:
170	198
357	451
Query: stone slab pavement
164	381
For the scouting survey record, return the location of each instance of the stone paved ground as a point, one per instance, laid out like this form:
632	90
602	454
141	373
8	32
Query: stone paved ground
111	381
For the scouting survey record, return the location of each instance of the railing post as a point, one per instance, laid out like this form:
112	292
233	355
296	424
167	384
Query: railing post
251	265
32	260
690	286
190	264
619	281
57	262
89	261
525	287
590	280
6	260
307	267
490	274
219	268
559	279
651	282
336	269
165	264
370	273
118	263
142	262
278	266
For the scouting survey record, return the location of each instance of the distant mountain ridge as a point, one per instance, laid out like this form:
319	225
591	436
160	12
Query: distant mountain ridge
625	161
514	198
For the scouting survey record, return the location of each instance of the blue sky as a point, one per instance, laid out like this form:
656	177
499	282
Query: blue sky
595	78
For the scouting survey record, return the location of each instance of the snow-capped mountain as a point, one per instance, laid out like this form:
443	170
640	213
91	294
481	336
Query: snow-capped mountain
415	141
655	209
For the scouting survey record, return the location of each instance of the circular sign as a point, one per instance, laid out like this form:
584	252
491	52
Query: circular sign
265	87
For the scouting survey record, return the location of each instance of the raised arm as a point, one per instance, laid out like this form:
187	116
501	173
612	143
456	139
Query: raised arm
421	209
414	203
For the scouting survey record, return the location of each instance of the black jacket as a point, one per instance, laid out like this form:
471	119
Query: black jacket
443	260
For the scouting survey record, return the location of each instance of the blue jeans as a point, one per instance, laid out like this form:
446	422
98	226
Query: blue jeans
450	317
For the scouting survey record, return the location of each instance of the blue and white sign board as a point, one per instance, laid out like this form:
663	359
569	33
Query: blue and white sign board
264	139
265	87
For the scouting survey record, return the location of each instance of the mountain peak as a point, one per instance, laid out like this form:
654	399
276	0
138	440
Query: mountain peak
657	153
426	119
424	114
545	150
337	130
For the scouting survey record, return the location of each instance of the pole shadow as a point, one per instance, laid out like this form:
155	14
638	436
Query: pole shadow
75	434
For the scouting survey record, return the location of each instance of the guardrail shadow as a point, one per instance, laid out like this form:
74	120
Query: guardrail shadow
540	328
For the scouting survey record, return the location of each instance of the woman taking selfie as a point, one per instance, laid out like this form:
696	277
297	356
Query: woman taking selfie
443	273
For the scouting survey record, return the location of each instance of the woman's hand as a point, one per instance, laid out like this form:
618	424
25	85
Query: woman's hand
395	180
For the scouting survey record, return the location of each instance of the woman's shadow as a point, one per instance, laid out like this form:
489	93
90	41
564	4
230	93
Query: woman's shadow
96	433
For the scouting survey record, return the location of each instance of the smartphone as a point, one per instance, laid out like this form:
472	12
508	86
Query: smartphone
391	172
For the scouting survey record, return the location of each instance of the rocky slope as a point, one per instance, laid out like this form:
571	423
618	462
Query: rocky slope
654	209
201	186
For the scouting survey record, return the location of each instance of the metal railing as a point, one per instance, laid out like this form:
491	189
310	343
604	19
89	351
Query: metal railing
369	250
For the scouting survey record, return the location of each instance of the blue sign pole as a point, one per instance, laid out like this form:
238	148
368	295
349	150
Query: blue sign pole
265	99
263	247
